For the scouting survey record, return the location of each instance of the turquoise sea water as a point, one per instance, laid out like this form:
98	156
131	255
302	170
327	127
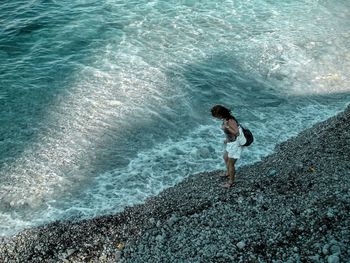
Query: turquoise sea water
104	103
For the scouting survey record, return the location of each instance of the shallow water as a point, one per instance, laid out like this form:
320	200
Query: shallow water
103	104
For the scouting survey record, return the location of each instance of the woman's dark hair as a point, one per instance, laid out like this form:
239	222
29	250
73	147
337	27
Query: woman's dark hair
219	111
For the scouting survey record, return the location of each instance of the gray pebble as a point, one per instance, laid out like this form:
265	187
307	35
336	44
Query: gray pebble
241	244
333	259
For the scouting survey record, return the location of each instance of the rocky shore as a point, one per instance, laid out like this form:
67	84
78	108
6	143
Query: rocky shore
293	206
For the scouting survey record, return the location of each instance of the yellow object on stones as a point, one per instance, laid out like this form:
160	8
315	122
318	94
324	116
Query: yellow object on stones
311	169
331	76
120	246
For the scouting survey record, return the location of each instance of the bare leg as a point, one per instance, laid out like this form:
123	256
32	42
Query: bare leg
226	163
231	172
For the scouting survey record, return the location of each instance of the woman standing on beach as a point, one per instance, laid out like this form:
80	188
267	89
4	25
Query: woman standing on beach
234	140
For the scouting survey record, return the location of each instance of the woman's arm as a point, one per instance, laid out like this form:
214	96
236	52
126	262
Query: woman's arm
232	127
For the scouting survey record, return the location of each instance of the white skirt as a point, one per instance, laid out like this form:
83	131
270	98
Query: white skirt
234	149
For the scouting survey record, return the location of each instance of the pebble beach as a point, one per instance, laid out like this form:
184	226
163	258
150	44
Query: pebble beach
292	206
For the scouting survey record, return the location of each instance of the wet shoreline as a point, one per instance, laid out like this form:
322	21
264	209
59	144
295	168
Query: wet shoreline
292	206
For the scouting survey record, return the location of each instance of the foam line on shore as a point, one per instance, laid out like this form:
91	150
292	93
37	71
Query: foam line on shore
292	205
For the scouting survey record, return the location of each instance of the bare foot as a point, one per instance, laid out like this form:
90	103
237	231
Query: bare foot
228	185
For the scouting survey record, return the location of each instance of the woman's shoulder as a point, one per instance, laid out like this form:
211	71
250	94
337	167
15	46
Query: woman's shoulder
233	122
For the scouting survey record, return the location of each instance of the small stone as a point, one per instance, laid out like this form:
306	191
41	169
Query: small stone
272	173
325	249
334	242
103	257
172	220
120	246
241	244
62	256
70	252
118	255
330	213
240	200
333	259
315	258
159	238
311	169
335	250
